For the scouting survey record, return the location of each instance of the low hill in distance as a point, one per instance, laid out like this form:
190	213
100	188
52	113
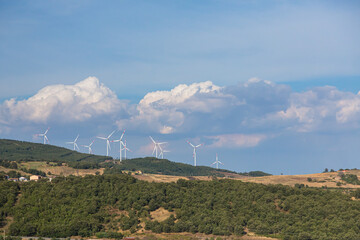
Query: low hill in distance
165	167
31	154
20	151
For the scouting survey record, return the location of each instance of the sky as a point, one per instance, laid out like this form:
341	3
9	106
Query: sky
268	85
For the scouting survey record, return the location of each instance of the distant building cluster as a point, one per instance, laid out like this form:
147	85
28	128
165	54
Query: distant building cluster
31	178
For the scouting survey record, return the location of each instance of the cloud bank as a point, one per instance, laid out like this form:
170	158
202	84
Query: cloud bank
229	116
68	103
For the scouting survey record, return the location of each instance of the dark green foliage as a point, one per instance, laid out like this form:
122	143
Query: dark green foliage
34	172
165	167
255	174
350	178
18	151
356	193
8	195
114	235
13	174
79	206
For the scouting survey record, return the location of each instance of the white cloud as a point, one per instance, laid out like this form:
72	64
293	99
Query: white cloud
166	111
237	140
241	115
82	101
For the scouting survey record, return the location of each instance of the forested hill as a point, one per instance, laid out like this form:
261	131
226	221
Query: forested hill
116	204
165	167
19	151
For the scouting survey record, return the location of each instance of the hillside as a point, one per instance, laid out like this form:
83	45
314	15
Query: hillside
20	151
49	158
165	167
116	205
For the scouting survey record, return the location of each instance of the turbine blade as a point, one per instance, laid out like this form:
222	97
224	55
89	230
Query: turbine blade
102	138
76	138
152	139
122	135
154	150
199	145
190	144
91	143
111	134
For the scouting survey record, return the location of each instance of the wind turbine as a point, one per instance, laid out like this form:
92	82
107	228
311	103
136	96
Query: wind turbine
74	143
89	147
121	144
125	148
162	152
44	135
107	142
194	152
217	162
156	146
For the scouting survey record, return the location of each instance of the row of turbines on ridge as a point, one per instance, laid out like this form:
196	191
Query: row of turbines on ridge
158	150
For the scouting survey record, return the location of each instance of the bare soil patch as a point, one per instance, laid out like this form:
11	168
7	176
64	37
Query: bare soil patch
161	214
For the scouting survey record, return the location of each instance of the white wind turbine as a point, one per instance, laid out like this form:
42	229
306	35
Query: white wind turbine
121	144
44	135
217	162
161	155
156	146
89	147
125	148
107	142
194	151
74	143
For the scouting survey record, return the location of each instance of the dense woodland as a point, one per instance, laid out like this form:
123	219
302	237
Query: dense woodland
96	205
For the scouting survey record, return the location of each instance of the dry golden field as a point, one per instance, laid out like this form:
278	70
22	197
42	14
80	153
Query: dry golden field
61	170
329	179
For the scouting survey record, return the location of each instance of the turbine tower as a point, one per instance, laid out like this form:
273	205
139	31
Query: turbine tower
161	155
74	143
89	147
194	151
217	162
156	147
107	142
121	144
125	148
44	135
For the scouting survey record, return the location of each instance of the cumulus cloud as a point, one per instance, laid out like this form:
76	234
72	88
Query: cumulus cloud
243	115
318	109
82	101
249	107
237	140
166	111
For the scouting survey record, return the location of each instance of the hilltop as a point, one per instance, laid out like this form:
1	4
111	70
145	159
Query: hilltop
20	151
153	165
62	161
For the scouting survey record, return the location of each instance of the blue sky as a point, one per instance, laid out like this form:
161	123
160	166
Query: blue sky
269	85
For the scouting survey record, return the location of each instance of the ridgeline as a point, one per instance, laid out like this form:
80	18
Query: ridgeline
19	151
